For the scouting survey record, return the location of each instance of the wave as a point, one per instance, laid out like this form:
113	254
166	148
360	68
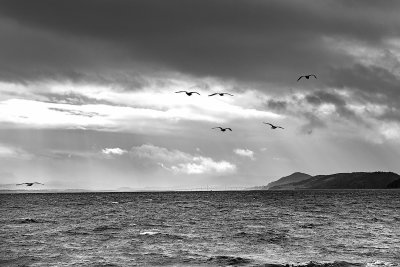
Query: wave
28	220
20	261
150	233
274	237
311	225
332	264
167	235
228	260
329	264
31	220
104	228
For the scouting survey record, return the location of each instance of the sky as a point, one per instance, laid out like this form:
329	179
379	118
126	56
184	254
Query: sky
87	91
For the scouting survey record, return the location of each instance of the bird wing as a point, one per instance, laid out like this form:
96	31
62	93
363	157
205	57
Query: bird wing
181	92
217	128
195	93
38	183
213	94
20	184
280	127
300	78
268	123
228	129
314	76
228	94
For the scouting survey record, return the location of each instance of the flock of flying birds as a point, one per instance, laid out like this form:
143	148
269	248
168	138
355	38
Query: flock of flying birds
273	127
190	93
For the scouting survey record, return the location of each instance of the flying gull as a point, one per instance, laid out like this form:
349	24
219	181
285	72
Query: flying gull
222	129
220	94
188	93
307	76
30	184
273	126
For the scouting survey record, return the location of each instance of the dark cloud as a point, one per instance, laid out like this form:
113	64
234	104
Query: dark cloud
296	107
312	122
277	105
370	84
28	54
246	40
321	97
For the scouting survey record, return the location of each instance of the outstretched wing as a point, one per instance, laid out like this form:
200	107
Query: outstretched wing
227	94
300	78
20	184
181	92
217	128
314	76
268	123
38	183
280	127
228	129
213	94
194	93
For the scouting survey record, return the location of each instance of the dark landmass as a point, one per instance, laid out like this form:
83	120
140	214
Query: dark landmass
293	178
394	184
354	180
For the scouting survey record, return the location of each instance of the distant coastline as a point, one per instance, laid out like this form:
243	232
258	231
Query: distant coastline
295	181
353	180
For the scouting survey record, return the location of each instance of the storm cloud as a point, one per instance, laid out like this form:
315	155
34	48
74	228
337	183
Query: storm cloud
245	40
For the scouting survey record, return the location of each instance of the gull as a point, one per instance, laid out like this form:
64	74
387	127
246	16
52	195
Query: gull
188	93
222	129
307	76
30	184
273	126
221	94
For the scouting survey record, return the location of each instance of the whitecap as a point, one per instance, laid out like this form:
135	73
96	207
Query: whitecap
149	233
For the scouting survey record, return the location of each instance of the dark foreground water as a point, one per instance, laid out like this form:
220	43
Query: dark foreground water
254	228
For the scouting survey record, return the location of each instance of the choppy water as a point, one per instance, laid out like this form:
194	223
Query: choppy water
254	228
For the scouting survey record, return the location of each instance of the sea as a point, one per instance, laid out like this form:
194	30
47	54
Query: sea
316	228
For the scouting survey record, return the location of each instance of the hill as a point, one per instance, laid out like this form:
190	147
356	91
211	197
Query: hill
354	180
294	177
394	184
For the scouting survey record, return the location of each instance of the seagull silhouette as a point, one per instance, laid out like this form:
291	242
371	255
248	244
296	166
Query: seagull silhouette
30	184
188	93
222	129
307	76
273	126
221	94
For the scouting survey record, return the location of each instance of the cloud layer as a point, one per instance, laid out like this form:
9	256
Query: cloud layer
224	39
244	152
181	162
91	84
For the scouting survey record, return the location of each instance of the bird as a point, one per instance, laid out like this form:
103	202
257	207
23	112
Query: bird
188	93
221	94
307	76
273	126
222	129
30	184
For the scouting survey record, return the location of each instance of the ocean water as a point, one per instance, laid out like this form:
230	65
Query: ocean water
248	228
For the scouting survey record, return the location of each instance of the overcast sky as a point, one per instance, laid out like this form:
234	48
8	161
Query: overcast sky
87	91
